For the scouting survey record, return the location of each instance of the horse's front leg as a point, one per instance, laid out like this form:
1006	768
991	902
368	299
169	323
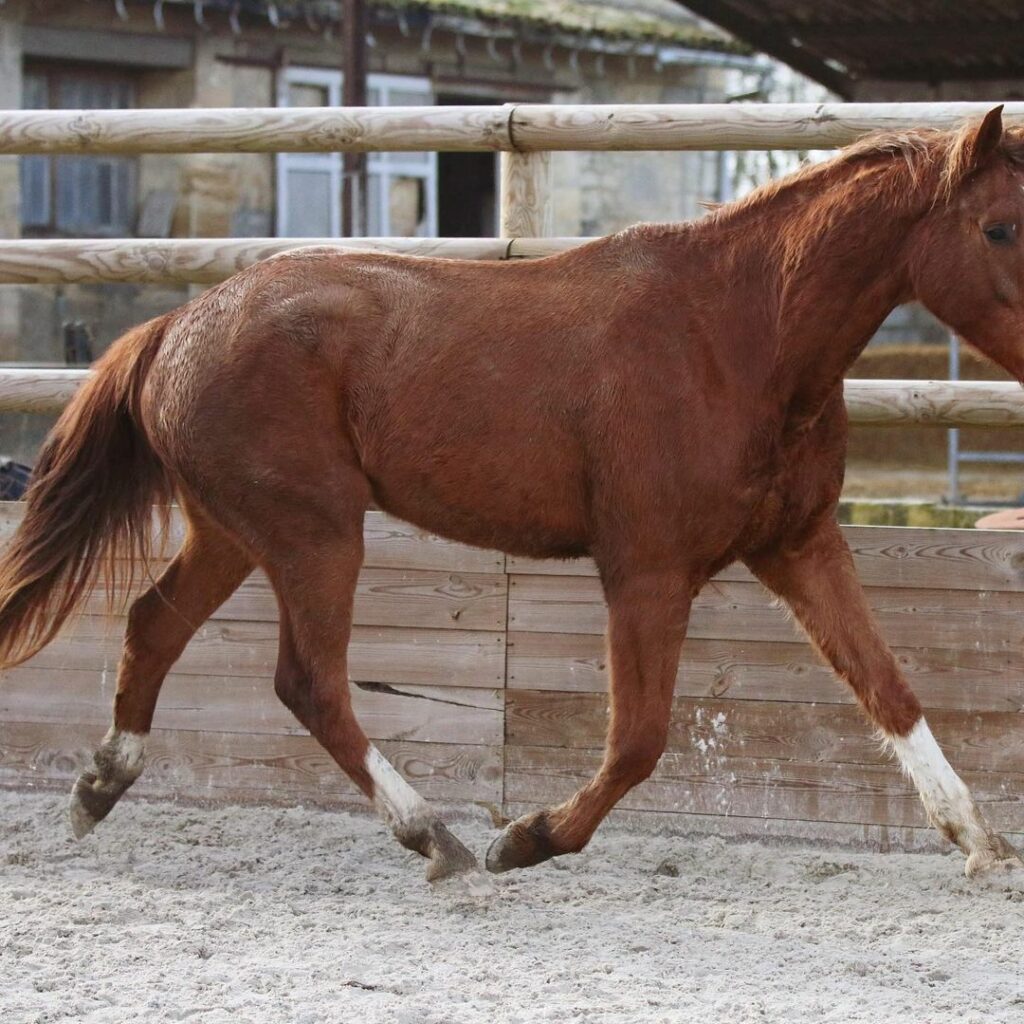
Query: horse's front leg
647	616
815	576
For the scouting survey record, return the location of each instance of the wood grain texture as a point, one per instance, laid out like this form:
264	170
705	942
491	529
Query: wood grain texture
759	788
710	126
959	679
763	739
725	609
717	729
934	403
38	391
417	598
884	556
535	248
525	201
229	767
196	260
256	130
516	127
225	647
389	543
427	714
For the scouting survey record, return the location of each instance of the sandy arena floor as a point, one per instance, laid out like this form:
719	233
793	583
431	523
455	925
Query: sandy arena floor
242	915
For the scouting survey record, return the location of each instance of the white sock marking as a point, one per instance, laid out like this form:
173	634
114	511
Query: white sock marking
125	750
118	763
943	793
396	801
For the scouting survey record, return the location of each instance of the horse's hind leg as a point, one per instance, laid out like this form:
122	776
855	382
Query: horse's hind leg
205	572
315	586
815	575
647	618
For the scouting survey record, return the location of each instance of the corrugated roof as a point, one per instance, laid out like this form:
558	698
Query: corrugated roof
840	43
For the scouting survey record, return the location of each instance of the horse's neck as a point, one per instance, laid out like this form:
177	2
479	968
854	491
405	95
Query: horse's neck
842	271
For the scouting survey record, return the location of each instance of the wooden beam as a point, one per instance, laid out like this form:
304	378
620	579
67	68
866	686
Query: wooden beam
935	403
255	130
553	127
878	403
45	391
526	207
730	126
203	260
127	49
963	35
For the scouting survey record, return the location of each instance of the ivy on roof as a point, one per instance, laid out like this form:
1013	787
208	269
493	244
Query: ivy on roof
653	21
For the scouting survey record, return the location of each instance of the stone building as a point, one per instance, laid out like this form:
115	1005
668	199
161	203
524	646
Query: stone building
221	53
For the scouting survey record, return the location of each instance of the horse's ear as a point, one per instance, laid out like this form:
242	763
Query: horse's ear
986	139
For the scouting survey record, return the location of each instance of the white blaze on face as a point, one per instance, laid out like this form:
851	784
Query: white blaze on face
943	793
396	801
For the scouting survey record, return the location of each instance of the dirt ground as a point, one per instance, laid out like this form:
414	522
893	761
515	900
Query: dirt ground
169	913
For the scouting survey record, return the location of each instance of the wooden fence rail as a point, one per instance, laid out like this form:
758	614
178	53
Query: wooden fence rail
524	133
879	403
514	127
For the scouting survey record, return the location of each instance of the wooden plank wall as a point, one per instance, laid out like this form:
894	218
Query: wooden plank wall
763	735
483	678
427	664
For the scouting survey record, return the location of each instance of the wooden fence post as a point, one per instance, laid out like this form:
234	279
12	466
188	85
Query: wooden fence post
525	194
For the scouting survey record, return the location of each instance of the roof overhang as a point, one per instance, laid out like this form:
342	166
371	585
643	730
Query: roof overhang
846	45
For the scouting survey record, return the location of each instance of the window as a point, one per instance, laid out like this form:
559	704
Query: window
401	187
77	195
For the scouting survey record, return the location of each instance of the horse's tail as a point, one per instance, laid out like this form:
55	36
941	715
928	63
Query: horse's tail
89	503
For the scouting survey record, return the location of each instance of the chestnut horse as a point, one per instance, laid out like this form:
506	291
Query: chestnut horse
666	400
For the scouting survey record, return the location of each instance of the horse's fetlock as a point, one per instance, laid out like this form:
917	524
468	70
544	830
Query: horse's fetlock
120	758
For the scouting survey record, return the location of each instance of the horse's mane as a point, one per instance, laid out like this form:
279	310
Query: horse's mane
939	159
900	171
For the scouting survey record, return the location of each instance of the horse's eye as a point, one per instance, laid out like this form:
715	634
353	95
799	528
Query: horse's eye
1001	234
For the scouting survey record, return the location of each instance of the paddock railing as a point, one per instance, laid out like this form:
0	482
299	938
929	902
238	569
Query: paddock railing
525	135
481	676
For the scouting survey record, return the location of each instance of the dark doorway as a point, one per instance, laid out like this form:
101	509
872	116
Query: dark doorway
467	187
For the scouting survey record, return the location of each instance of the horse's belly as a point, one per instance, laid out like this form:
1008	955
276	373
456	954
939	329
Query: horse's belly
510	497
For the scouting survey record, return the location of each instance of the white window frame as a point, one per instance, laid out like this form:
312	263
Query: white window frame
330	162
382	166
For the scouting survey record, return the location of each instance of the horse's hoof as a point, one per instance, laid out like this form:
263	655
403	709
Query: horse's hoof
90	803
448	857
521	845
996	860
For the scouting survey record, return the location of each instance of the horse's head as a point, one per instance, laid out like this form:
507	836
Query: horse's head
967	252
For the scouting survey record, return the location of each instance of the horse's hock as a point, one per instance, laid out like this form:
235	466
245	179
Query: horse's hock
482	678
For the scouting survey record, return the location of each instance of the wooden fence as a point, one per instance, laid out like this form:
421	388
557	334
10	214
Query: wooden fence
482	676
524	134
